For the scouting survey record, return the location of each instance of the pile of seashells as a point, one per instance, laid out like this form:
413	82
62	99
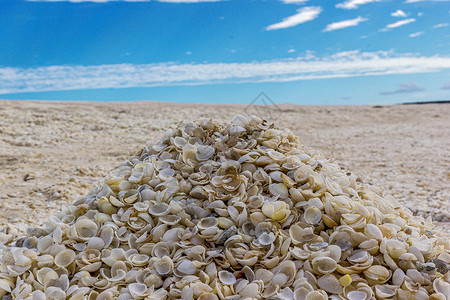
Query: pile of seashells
228	211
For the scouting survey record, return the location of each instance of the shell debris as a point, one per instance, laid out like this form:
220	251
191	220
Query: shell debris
238	210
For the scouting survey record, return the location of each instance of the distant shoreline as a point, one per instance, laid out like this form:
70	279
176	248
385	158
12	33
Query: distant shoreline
427	102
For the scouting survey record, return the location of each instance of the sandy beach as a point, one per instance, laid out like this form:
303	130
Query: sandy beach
51	152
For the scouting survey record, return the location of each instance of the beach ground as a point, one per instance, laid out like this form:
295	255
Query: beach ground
51	152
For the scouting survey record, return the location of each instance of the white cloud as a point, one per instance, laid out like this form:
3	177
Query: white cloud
440	25
399	14
414	1
291	50
339	65
399	23
407	87
303	15
416	34
294	1
352	4
188	53
344	24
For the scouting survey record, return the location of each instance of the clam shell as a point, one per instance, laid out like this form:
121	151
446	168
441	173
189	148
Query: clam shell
159	209
324	265
226	277
64	258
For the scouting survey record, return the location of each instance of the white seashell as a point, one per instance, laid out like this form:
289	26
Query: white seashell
266	238
312	215
137	290
324	265
85	229
64	258
187	267
204	152
227	278
159	209
330	284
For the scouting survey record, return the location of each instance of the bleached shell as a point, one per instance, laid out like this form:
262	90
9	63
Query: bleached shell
316	295
85	229
207	223
330	284
357	295
164	266
312	215
279	189
398	277
64	258
266	238
377	273
137	290
204	152
226	277
440	286
187	267
208	297
159	209
384	292
324	265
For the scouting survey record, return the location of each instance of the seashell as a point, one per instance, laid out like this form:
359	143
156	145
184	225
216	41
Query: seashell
312	215
276	211
207	223
357	295
64	258
316	295
441	287
377	274
85	229
208	297
137	290
204	152
226	277
279	189
398	277
317	246
164	266
330	284
324	265
187	267
159	209
266	238
130	196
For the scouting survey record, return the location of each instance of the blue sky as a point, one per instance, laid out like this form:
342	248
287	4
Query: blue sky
296	51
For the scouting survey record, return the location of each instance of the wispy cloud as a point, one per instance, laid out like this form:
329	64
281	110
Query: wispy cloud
303	15
407	87
353	4
294	1
414	1
398	24
339	65
416	34
440	25
399	14
344	24
446	86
